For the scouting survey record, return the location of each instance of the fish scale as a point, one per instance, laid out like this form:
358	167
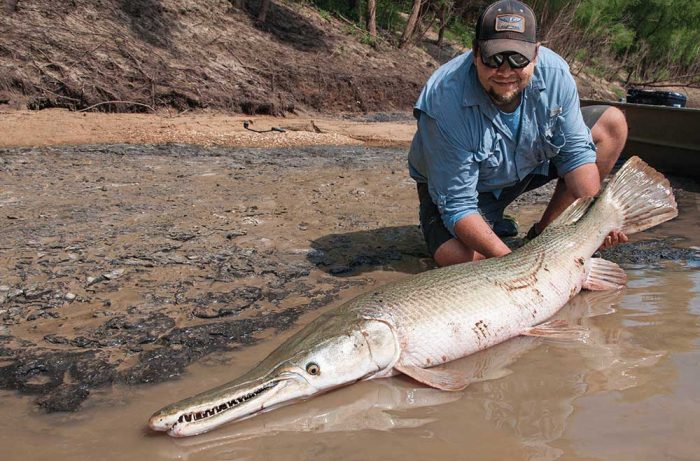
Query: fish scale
457	305
453	304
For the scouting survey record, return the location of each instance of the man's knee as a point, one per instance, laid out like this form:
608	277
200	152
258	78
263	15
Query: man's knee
609	135
611	127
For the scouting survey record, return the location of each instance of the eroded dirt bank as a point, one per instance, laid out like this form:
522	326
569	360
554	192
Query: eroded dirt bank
137	56
125	263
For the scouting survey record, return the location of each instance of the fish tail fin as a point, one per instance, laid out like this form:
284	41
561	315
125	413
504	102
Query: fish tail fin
642	194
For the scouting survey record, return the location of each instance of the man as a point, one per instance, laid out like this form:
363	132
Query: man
495	122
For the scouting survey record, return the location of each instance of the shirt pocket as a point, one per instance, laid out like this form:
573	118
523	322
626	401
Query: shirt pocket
490	155
552	133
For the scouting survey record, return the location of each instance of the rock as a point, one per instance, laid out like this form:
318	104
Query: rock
93	371
55	339
115	274
93	280
249	220
233	234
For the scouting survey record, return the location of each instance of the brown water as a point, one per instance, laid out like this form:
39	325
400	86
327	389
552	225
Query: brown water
630	392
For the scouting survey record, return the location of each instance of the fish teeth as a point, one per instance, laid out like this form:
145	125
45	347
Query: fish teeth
189	417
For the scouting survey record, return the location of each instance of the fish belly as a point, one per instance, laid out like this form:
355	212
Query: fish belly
455	321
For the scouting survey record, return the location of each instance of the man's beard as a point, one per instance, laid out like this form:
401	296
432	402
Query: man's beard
503	99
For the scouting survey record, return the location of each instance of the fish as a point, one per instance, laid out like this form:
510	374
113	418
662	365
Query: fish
416	323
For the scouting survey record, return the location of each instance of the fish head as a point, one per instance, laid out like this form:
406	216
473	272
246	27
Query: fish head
316	360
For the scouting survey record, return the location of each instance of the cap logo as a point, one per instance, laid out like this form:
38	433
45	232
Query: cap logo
510	23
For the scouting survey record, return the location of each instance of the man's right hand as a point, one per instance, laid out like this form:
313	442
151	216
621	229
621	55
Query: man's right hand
477	235
475	240
614	238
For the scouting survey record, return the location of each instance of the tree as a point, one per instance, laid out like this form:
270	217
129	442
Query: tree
444	11
372	18
262	12
649	40
411	24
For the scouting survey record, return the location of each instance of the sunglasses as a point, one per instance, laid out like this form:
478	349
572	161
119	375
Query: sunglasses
515	60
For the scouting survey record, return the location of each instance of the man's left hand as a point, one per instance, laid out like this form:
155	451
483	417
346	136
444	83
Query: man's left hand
614	238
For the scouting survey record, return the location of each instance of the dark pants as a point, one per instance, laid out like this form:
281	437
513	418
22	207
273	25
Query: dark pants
490	207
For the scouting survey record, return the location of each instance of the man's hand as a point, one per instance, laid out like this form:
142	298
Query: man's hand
477	235
614	238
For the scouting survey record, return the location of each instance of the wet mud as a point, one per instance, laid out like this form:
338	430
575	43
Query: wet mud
124	264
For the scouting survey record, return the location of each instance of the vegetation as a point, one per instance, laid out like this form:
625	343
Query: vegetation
636	42
640	42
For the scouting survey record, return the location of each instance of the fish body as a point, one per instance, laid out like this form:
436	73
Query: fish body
431	318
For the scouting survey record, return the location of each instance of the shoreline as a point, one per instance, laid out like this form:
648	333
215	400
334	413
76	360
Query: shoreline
55	127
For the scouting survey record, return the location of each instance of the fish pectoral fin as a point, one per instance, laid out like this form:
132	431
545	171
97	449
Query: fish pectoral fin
604	275
558	329
442	379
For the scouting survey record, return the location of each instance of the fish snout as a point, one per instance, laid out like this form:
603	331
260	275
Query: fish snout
161	422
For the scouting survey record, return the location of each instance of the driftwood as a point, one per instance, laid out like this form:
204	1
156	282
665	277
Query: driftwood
133	103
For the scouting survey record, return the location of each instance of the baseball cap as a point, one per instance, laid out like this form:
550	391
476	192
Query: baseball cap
507	25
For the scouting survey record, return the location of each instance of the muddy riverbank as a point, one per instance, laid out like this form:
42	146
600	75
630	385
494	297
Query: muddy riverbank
124	264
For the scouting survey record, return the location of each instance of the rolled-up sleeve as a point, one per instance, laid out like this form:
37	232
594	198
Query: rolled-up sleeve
579	148
453	172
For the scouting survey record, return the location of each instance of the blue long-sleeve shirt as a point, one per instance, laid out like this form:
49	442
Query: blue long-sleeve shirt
463	148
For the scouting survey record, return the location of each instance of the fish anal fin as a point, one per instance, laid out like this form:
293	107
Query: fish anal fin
558	329
602	275
438	378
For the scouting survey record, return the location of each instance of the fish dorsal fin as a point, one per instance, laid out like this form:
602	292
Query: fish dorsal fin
438	378
574	212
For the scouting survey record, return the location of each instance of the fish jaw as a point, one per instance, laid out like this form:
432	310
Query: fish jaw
285	376
234	401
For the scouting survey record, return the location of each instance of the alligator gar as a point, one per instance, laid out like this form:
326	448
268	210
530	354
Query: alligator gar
440	315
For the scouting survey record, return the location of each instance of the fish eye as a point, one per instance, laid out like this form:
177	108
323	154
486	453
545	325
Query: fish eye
313	369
